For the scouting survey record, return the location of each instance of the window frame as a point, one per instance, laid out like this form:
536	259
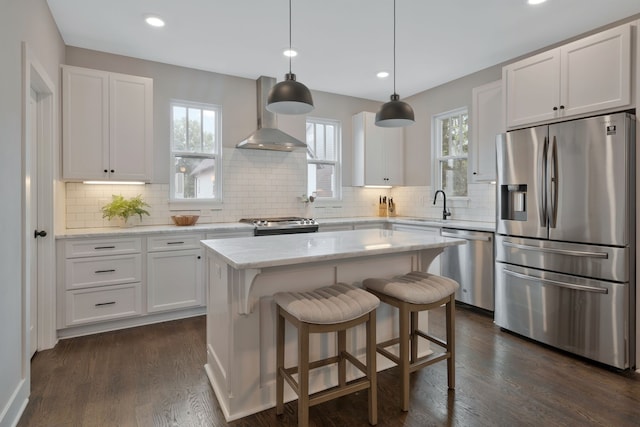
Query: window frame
436	150
337	163
190	204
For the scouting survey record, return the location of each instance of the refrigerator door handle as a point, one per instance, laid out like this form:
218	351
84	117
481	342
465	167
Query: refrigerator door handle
552	183
542	167
585	254
557	283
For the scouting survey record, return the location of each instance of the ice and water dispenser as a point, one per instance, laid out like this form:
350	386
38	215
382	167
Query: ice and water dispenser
513	201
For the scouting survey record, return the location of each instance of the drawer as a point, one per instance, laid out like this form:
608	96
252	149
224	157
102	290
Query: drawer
96	247
171	242
100	271
100	304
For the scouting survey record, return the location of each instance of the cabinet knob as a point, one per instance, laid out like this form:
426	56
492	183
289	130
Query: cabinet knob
199	257
475	173
112	171
562	107
555	108
106	171
40	233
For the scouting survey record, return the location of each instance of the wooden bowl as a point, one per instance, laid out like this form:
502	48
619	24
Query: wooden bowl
184	220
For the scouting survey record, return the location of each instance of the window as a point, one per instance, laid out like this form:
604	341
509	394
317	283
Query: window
323	158
451	151
195	152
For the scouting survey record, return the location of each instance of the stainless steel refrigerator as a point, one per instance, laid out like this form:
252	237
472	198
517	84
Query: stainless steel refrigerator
565	245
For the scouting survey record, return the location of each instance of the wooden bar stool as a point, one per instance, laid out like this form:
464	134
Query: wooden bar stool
411	294
334	308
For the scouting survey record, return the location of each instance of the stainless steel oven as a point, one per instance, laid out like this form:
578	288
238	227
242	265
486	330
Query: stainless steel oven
282	225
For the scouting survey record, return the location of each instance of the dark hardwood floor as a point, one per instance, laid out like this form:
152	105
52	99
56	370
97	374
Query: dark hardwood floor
154	376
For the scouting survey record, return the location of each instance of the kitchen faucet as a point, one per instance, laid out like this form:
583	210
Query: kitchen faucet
445	212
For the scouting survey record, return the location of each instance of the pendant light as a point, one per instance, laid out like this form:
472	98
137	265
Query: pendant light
394	113
289	96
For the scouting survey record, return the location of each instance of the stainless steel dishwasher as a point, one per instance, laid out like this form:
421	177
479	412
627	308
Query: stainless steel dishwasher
471	265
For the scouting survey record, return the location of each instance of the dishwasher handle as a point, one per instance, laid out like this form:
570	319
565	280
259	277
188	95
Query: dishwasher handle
484	237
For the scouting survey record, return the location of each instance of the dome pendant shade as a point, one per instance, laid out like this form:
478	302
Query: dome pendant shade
289	97
395	113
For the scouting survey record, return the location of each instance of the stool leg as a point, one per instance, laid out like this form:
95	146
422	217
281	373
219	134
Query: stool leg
280	324
342	363
414	336
372	372
303	375
404	356
451	342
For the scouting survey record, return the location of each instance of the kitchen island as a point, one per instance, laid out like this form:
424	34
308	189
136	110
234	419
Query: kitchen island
244	273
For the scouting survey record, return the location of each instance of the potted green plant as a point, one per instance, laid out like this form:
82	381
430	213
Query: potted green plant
124	208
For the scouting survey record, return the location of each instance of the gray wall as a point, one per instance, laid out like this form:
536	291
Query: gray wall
236	95
29	21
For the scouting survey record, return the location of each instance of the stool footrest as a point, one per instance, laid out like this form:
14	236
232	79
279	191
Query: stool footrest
428	360
335	392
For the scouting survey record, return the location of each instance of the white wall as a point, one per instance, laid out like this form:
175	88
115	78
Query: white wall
30	21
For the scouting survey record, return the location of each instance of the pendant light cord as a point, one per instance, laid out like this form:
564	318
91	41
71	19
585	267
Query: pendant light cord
394	46
290	52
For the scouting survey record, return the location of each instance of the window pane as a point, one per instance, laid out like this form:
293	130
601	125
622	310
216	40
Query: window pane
445	130
195	178
331	143
322	180
320	142
453	175
179	128
464	131
194	132
311	141
208	131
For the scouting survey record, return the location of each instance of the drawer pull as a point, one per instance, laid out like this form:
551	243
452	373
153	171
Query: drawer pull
104	247
100	304
105	271
175	243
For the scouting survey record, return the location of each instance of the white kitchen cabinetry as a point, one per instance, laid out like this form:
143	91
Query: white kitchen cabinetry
107	125
589	75
378	153
434	268
487	120
174	272
101	280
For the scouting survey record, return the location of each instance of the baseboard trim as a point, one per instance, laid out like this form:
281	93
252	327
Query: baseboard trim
15	406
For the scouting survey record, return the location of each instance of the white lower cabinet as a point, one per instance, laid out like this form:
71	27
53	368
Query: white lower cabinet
114	282
99	280
103	303
174	280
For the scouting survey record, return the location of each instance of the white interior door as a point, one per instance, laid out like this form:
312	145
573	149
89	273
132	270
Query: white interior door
31	215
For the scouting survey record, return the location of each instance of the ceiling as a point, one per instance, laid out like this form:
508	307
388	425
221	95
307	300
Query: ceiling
342	44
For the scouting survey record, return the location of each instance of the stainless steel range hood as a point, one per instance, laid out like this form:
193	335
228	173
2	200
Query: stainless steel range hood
268	137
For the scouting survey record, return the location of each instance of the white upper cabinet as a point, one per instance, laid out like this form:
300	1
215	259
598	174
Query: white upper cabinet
586	76
107	125
378	153
487	120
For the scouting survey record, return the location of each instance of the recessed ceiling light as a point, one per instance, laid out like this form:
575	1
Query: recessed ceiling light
154	21
290	53
382	75
536	1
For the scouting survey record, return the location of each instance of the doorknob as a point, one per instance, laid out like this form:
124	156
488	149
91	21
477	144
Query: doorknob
40	233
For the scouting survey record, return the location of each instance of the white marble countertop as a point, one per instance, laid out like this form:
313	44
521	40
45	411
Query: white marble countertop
291	249
229	227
